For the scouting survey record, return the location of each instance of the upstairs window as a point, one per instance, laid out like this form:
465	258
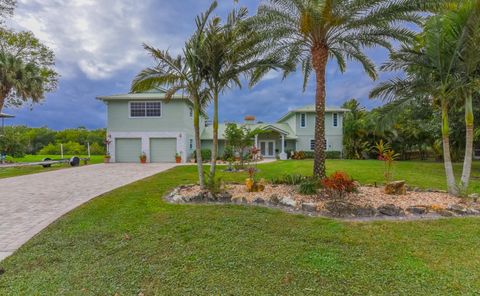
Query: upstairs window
145	109
303	120
335	119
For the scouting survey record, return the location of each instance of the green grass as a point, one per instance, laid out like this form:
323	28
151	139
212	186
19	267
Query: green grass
19	171
130	240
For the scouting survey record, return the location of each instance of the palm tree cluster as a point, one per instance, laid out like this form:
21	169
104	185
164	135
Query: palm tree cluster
285	34
443	65
217	57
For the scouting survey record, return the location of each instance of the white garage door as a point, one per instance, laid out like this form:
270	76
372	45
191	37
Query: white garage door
163	149
128	150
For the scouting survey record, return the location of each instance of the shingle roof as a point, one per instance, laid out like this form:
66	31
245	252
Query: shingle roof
284	128
311	108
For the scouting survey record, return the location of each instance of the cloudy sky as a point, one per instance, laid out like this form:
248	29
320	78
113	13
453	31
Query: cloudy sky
98	49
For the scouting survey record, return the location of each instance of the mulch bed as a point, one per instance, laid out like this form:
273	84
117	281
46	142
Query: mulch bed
366	202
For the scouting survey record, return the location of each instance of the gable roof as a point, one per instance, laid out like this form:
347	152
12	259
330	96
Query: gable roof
282	128
311	109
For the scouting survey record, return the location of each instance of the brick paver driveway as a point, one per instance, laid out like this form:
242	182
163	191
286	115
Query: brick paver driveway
30	203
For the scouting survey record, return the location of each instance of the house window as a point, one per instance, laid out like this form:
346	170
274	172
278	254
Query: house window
191	144
191	111
145	109
312	144
335	119
303	120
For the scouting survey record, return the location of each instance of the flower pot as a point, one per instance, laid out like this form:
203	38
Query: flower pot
178	159
143	160
106	160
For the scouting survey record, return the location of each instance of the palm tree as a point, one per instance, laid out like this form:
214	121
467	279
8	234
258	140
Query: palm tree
464	24
310	32
181	74
19	81
442	66
230	51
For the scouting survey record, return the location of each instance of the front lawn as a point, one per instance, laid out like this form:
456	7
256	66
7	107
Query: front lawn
131	241
19	171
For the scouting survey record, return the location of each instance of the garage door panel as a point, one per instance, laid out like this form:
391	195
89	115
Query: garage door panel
163	149
128	149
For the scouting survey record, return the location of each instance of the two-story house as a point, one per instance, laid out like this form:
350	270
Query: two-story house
146	123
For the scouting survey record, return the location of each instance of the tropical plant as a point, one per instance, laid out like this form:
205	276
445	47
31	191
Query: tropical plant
338	184
182	73
435	68
310	32
388	156
240	138
308	186
230	51
26	67
19	81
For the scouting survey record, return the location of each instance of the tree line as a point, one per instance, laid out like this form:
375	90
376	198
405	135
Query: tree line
413	131
17	141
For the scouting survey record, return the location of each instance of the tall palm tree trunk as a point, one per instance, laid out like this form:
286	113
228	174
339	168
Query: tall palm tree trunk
319	60
198	144
447	159
467	163
215	137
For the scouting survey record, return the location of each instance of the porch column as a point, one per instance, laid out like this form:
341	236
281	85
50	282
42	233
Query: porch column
283	155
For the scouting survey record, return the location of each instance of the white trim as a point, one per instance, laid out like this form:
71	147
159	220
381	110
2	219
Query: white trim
266	147
144	117
301	120
145	136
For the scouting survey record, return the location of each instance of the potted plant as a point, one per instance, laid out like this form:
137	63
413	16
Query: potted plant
178	157
106	158
143	158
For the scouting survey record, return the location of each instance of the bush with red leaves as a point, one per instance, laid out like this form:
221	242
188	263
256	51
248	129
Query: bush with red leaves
338	184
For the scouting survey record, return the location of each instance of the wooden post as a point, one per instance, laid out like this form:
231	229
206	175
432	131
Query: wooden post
61	150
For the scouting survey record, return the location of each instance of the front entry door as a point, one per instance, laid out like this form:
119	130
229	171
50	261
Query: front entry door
267	148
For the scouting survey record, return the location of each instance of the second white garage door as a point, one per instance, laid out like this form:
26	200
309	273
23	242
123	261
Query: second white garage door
163	149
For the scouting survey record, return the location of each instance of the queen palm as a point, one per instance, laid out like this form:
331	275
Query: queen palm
310	32
181	73
230	51
19	81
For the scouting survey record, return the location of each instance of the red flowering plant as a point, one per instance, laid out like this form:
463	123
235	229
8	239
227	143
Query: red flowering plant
338	184
388	156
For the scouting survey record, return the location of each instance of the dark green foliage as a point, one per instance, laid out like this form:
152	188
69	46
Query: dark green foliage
20	140
13	142
289	179
333	154
308	186
206	155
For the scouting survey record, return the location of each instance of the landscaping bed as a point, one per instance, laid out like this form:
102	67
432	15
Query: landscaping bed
366	202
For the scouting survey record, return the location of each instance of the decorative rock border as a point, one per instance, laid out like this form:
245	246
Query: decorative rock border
334	208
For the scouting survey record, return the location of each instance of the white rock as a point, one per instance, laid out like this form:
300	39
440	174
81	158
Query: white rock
288	201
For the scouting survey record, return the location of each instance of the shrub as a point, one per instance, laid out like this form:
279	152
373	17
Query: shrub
309	154
298	155
333	154
228	153
292	179
97	149
308	187
206	154
338	184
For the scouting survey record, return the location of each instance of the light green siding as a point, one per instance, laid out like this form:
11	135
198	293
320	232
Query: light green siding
128	150
208	144
174	117
162	150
